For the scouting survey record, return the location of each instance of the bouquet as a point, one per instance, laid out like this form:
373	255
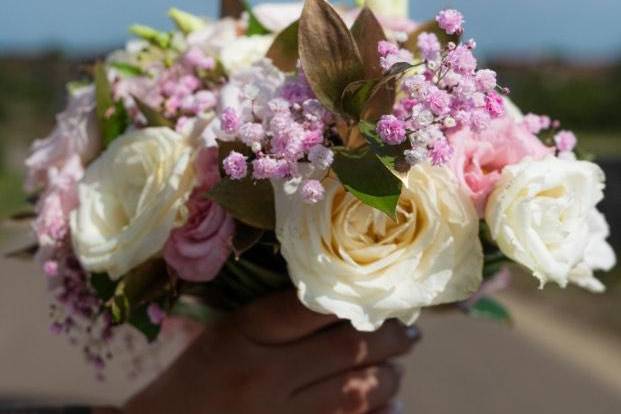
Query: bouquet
352	154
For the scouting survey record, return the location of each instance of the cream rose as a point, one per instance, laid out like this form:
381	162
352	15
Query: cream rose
130	199
351	260
543	215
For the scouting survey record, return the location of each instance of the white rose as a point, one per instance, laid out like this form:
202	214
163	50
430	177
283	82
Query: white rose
543	215
130	199
351	260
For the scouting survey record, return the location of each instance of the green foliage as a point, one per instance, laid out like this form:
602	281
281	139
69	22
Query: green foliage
488	308
363	174
249	201
255	27
390	155
111	115
127	69
154	118
103	286
185	22
140	320
162	40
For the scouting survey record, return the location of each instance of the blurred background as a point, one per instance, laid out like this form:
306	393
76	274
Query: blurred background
558	57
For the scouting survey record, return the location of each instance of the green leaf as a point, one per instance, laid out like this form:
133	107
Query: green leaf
356	95
364	175
162	40
390	155
255	27
251	202
195	310
154	118
140	320
430	26
144	284
127	69
368	32
186	22
489	308
103	286
328	53
111	116
284	51
245	238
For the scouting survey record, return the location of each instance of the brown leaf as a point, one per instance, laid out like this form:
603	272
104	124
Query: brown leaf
284	51
368	32
231	8
328	52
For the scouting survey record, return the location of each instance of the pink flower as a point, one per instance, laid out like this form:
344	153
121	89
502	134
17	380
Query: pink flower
441	152
76	133
235	165
429	45
565	141
198	249
494	104
391	130
461	60
385	48
156	314
207	169
451	21
312	191
196	58
56	203
230	121
479	158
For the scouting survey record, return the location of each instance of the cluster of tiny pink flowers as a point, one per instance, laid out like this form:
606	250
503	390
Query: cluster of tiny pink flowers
451	21
446	93
565	141
178	91
390	54
293	131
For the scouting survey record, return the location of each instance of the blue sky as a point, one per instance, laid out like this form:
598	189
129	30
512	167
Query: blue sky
582	29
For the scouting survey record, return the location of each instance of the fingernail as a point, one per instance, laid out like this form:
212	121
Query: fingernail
413	332
396	407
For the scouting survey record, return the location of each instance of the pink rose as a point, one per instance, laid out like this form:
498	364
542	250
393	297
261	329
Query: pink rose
479	158
198	249
76	133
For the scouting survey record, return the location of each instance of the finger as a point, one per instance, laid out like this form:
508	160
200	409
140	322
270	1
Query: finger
342	348
394	407
280	318
355	392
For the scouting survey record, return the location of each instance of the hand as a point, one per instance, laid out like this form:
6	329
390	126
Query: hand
275	356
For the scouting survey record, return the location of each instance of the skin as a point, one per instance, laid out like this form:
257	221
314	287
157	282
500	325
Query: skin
275	356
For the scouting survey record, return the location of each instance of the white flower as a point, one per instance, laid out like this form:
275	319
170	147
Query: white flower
130	199
241	53
276	17
543	215
351	260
